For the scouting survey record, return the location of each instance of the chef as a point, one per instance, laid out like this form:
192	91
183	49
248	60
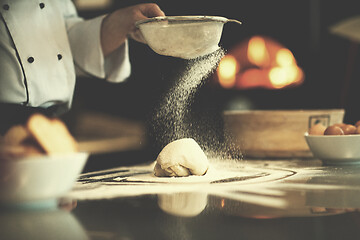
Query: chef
44	44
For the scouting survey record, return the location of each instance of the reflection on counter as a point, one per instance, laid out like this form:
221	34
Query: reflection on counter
299	207
141	217
28	225
183	204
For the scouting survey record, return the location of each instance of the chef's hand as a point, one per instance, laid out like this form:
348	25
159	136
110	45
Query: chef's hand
117	26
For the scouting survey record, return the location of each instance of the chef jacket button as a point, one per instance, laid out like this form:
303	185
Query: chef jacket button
42	5
6	7
59	56
30	59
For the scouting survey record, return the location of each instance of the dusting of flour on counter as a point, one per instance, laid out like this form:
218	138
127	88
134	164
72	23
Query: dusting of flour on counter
181	158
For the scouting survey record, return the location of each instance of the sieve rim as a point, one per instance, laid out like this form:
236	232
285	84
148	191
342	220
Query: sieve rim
183	18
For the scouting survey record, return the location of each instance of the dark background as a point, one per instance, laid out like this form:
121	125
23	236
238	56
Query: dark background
302	26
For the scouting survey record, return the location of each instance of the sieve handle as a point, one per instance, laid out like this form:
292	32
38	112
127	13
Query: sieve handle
234	21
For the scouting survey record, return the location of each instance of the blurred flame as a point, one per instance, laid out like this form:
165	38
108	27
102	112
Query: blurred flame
278	77
264	62
252	78
284	76
284	57
227	70
222	203
257	52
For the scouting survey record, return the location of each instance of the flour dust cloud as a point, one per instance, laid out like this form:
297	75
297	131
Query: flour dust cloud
173	118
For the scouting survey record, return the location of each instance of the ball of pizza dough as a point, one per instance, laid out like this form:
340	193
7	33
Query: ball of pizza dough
181	158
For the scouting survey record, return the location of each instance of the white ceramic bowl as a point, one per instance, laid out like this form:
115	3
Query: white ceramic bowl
39	178
335	149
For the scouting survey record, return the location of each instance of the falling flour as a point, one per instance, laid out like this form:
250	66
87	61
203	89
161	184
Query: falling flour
173	118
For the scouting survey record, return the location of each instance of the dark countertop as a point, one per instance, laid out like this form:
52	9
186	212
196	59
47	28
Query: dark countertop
249	199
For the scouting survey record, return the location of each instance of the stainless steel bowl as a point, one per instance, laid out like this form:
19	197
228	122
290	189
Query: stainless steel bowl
185	37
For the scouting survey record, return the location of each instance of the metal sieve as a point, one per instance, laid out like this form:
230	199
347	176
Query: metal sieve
185	37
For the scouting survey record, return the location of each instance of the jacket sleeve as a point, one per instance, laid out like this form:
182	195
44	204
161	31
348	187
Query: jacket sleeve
84	38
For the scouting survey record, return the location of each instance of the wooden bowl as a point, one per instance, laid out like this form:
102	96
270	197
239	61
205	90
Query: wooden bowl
275	133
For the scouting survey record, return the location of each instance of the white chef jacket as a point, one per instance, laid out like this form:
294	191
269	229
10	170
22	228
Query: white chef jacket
42	42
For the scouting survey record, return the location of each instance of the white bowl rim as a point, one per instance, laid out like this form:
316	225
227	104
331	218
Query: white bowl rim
307	135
